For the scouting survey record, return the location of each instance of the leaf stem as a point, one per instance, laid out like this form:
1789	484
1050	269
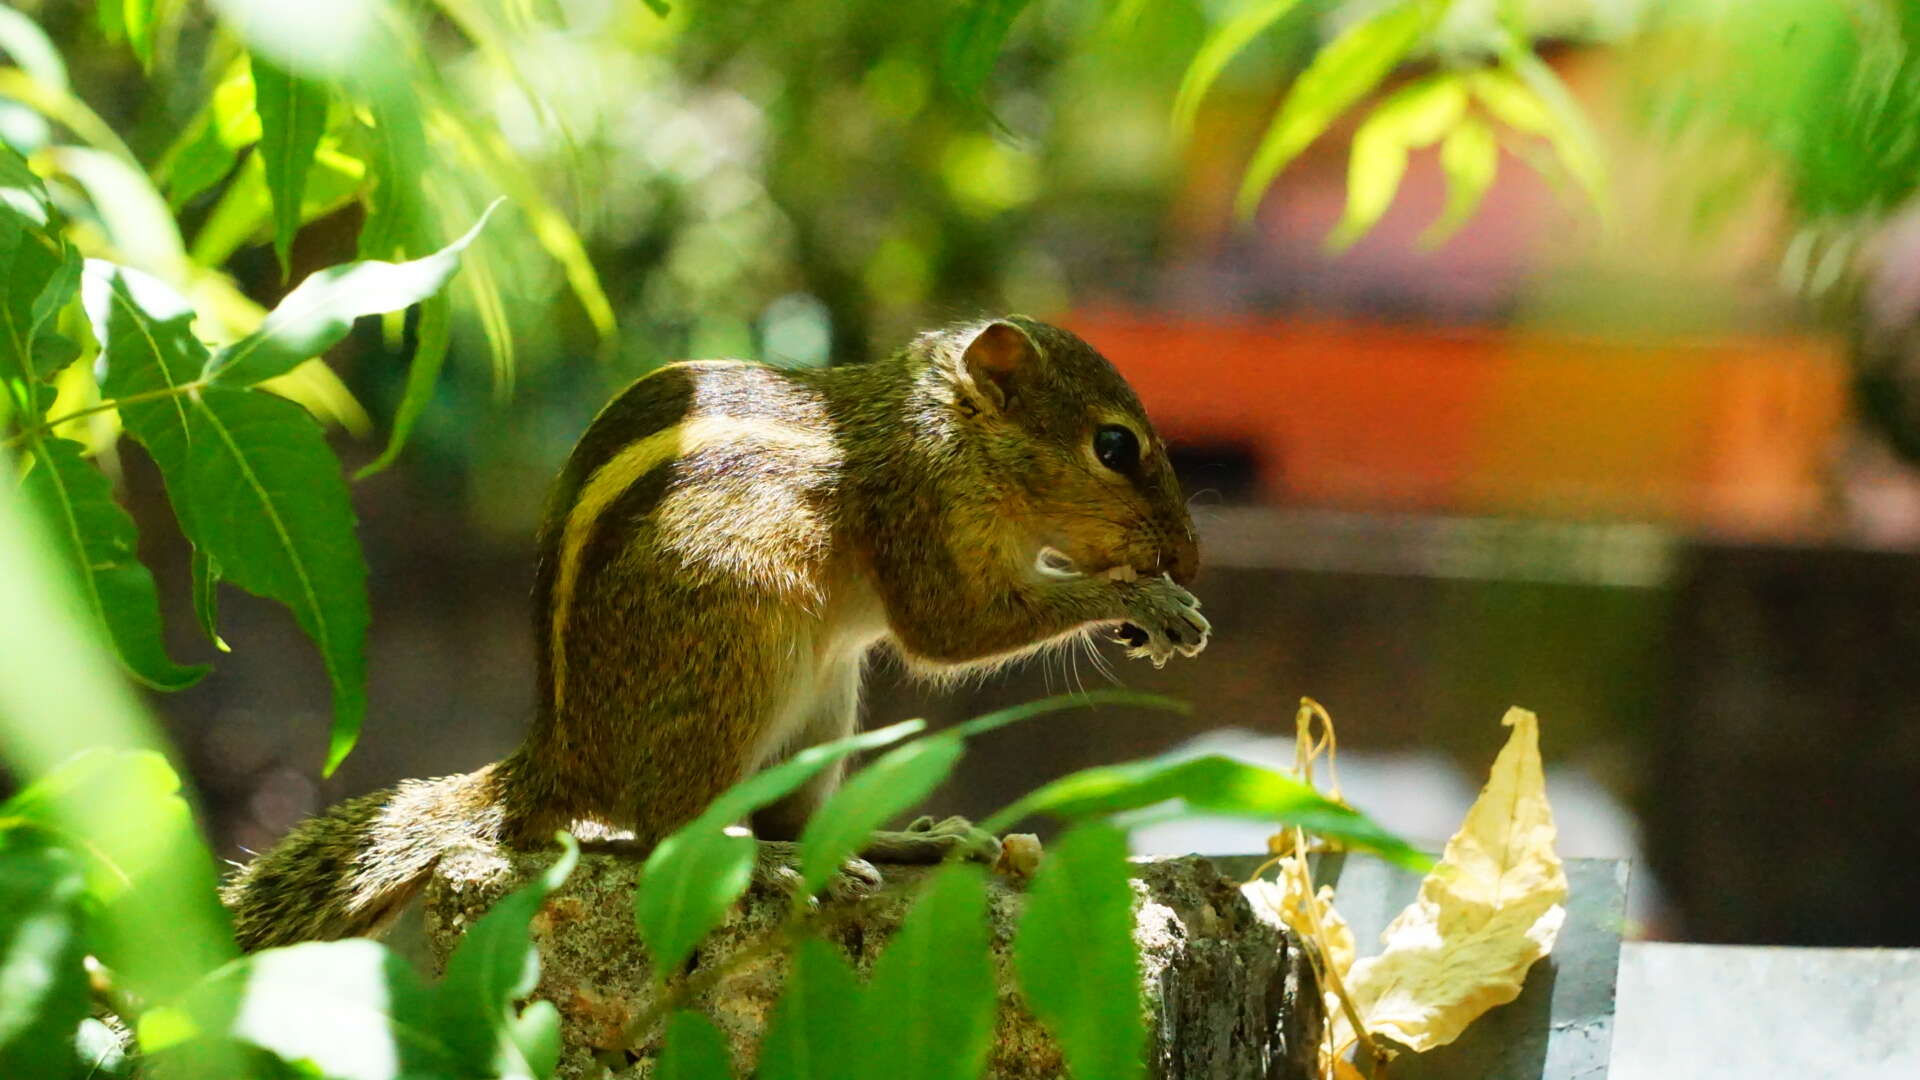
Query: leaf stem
45	426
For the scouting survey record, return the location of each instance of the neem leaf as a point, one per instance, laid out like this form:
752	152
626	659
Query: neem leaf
318	313
494	965
1222	45
249	476
1212	784
351	1009
97	540
973	43
695	875
41	945
293	115
884	788
932	999
694	1050
38	272
1416	115
1351	65
1075	956
817	1021
432	336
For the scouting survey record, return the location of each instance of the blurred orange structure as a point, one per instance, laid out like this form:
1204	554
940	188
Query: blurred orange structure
1730	435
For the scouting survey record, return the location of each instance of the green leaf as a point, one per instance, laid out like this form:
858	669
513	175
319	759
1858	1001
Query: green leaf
137	219
249	476
973	43
53	352
318	313
206	598
1074	953
1353	64
932	1000
137	18
693	877
1221	46
293	115
536	1036
432	336
1418	114
350	1009
1469	158
694	1050
39	271
1212	784
818	1020
494	965
43	988
98	541
397	220
878	792
205	153
1567	129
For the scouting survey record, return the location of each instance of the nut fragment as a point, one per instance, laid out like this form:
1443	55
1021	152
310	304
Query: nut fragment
1019	855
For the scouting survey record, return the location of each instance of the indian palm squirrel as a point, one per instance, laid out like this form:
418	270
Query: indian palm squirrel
726	545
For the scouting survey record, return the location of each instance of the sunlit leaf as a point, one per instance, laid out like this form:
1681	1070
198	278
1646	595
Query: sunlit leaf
39	271
41	945
495	965
320	311
1074	953
1212	784
353	1009
1469	157
137	18
28	47
817	1019
397	220
1223	44
207	150
883	789
248	474
694	1050
1573	140
693	877
57	104
293	116
138	222
1417	115
1349	67
98	541
206	597
932	999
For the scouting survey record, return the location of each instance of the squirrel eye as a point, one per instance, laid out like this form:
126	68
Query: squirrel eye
1116	447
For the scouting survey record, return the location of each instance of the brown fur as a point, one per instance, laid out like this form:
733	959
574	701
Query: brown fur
710	615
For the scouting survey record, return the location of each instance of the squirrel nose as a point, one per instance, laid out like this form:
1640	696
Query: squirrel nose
1182	561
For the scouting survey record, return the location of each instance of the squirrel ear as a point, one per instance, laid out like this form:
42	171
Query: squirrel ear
995	357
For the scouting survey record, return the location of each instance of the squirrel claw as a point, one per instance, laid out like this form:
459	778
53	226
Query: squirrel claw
1163	619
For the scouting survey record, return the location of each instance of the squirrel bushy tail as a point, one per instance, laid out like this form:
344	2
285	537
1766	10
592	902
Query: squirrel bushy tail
349	872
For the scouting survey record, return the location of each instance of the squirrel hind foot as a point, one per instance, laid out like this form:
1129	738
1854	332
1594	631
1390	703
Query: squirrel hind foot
778	869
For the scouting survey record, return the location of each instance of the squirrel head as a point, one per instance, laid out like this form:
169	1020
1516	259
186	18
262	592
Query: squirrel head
1070	452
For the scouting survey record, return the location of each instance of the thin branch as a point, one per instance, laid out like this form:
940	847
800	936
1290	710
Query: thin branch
45	426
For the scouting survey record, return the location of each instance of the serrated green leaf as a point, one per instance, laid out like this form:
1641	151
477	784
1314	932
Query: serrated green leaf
431	338
1469	158
932	999
1350	66
1078	967
693	877
206	598
1417	115
293	116
1223	44
694	1050
494	965
248	474
206	152
973	43
97	540
39	271
43	988
883	789
320	311
817	1020
351	1009
1213	784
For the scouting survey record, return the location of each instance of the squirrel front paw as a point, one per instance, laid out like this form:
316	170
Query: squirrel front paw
1162	619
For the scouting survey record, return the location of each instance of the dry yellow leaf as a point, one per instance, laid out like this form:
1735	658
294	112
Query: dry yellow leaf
1488	910
1287	898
